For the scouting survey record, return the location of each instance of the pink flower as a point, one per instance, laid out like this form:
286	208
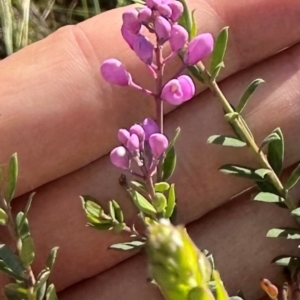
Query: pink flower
179	37
133	144
128	36
113	71
150	127
130	21
162	28
177	10
164	10
158	144
143	48
145	15
139	131
123	136
179	90
153	3
120	158
199	48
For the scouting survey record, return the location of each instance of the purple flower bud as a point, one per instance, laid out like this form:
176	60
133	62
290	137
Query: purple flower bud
143	48
139	131
120	158
150	127
199	48
164	10
113	71
153	3
177	10
162	28
133	143
123	136
130	21
158	144
179	90
145	15
128	36
179	37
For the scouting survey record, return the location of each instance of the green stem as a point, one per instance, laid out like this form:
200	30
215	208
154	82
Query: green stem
238	122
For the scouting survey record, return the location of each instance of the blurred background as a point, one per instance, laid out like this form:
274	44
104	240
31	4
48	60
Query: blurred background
23	22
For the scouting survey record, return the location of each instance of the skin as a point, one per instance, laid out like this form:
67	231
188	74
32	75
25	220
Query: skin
52	96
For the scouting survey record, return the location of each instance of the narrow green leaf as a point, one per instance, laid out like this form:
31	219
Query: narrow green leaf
12	178
42	279
169	164
101	226
195	71
249	91
245	172
186	19
219	51
276	152
288	233
51	258
111	210
142	203
160	202
41	292
51	293
139	184
8	271
293	178
171	202
3	217
225	141
118	212
11	261
194	28
217	71
161	186
296	212
270	138
174	139
268	197
128	246
14	291
27	253
24	215
286	261
221	293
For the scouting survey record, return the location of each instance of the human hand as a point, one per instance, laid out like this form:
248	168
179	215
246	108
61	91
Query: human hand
78	102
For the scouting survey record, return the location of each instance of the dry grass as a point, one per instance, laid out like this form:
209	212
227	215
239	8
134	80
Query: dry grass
25	21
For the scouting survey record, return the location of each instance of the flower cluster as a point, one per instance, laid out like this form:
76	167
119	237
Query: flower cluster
159	17
143	144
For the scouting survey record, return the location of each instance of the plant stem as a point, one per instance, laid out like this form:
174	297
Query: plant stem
238	122
29	276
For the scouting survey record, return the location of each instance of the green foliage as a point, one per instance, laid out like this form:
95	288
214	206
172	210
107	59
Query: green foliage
187	20
3	217
288	233
293	178
276	152
268	197
142	203
218	53
12	178
171	202
134	245
225	141
169	164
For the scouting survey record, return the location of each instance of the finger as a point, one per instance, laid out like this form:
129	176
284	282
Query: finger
236	236
53	101
199	185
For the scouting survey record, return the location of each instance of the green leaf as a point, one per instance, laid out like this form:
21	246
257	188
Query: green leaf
293	178
296	212
270	138
14	291
286	261
42	279
245	172
27	253
140	185
142	203
171	202
161	186
249	91
118	211
219	52
221	293
288	233
41	292
225	141
24	215
127	246
51	293
217	70
51	258
175	138
22	225
11	261
195	71
268	197
276	153
12	178
160	202
194	28
3	217
111	210
169	164
186	19
9	272
101	226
